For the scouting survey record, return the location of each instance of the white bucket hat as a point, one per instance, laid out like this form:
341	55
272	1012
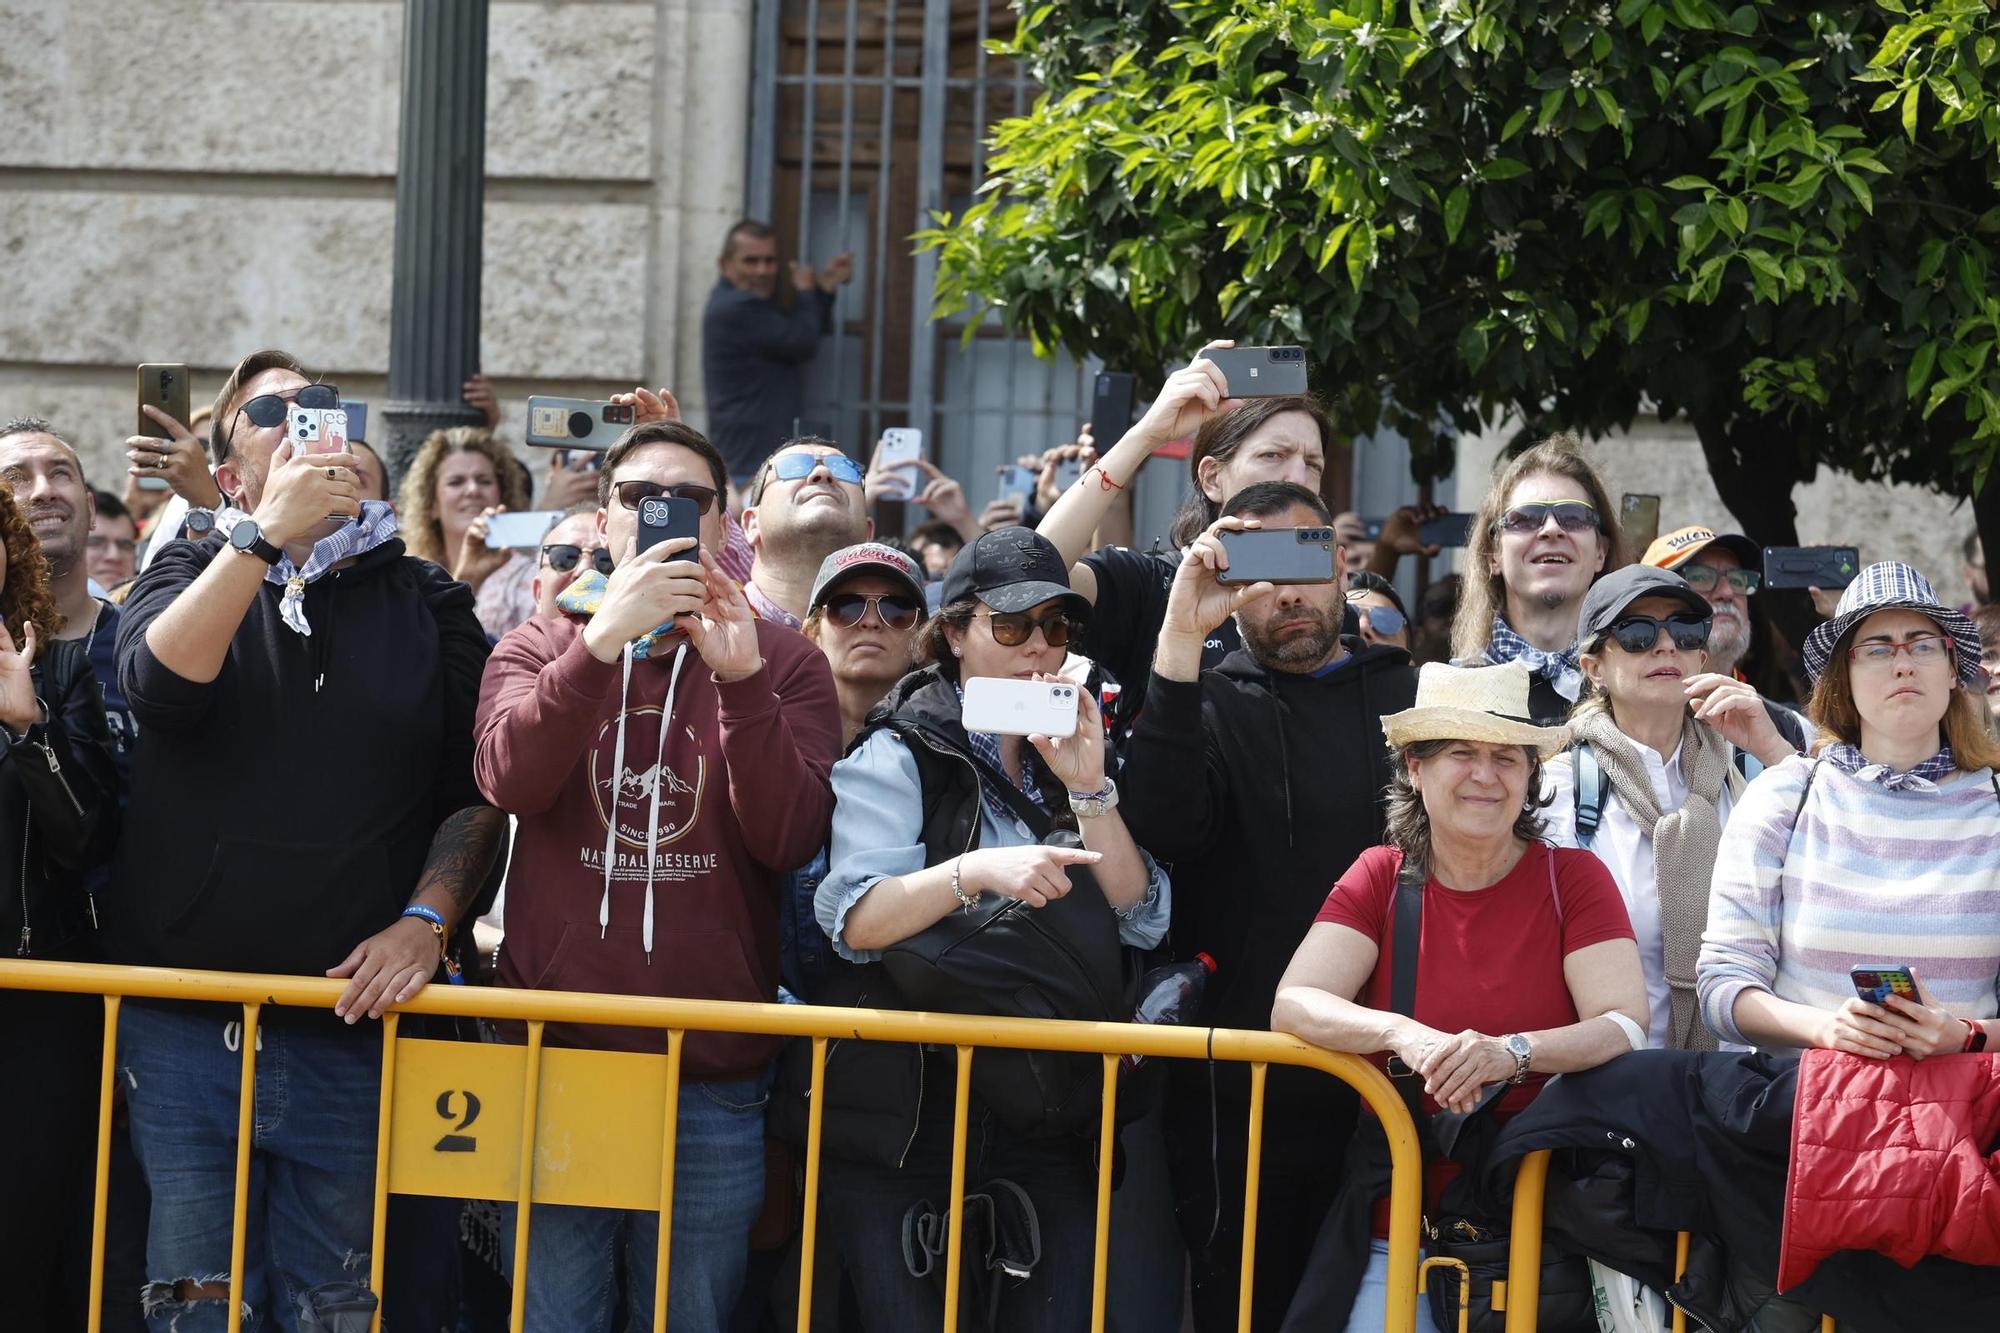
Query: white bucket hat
1485	703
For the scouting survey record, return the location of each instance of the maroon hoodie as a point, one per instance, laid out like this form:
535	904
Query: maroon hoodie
743	795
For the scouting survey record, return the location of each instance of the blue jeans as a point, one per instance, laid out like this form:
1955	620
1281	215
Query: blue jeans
1371	1301
312	1165
573	1253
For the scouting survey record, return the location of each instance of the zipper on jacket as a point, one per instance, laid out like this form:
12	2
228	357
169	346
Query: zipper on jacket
27	935
49	753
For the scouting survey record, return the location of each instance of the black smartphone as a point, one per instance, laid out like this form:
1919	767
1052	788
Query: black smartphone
663	517
1810	566
1111	407
1444	530
1261	372
1279	555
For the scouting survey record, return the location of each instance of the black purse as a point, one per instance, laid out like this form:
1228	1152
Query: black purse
1567	1303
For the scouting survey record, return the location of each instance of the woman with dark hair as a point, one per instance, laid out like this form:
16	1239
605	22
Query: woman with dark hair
459	479
58	816
1524	961
1235	443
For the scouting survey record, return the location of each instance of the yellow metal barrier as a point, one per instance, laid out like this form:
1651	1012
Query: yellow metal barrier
540	1124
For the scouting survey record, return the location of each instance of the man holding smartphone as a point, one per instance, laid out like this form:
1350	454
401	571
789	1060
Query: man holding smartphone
1260	780
669	759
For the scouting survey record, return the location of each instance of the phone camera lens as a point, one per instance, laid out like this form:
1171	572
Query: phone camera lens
579	425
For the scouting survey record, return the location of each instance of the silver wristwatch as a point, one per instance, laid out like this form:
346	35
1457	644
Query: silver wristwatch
1517	1046
1097	803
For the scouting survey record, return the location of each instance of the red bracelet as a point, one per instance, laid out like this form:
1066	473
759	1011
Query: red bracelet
1104	482
1975	1037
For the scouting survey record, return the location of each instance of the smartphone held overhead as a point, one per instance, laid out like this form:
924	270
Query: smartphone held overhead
1278	555
1261	372
1810	566
1000	707
164	386
520	532
577	423
896	459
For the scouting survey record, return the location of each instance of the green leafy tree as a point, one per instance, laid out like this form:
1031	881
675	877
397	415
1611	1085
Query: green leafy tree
1778	220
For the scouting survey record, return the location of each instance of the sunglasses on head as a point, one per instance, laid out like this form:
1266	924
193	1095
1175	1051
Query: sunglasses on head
896	611
797	466
268	409
1704	578
633	493
1570	516
1638	634
1012	628
562	558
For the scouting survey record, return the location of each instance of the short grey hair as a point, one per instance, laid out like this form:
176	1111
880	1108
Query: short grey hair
1407	825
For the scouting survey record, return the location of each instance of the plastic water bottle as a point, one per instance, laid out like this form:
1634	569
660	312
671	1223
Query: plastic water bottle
1170	994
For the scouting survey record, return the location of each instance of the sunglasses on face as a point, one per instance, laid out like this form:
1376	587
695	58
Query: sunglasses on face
795	467
268	409
1012	628
632	494
848	609
1704	578
1638	634
1929	648
562	558
1384	620
1570	516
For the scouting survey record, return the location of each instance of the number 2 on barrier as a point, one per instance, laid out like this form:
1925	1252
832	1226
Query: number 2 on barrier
454	1141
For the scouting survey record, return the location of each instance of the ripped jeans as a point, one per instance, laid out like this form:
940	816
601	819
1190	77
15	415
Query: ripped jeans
312	1166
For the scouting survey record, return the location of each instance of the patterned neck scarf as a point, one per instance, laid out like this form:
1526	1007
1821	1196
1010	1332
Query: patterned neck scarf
987	747
1924	777
1558	669
375	524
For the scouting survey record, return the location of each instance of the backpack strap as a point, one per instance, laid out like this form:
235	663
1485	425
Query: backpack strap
1588	788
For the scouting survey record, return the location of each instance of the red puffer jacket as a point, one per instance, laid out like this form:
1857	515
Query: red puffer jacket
1891	1155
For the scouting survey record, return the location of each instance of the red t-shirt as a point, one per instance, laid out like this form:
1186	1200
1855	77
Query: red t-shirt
1488	959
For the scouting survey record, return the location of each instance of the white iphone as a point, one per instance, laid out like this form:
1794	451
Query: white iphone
896	458
1020	707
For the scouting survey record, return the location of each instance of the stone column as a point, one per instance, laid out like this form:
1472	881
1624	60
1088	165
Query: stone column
440	197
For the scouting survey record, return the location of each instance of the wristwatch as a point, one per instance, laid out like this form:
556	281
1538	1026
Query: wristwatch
1517	1046
247	536
1097	803
198	524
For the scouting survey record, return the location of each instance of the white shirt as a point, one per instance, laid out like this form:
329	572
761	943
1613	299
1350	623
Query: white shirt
1628	853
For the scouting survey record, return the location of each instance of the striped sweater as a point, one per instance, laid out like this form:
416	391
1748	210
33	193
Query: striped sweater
1867	875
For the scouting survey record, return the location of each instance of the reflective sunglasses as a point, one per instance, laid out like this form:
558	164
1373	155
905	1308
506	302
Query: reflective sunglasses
1928	648
898	612
1703	578
268	409
562	558
1012	628
1570	516
632	493
796	466
1384	620
1638	634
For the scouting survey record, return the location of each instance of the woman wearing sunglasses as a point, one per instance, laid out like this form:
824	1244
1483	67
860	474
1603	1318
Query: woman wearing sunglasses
1648	782
1383	619
930	819
1879	849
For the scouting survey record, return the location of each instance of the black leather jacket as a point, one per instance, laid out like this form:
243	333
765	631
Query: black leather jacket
58	812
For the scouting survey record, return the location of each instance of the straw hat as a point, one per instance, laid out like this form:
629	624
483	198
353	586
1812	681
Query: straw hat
1485	703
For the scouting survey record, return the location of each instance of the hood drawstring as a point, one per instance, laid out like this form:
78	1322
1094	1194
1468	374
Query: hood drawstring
1284	754
617	792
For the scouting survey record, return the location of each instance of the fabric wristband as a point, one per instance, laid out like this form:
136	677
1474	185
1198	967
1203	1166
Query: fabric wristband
436	919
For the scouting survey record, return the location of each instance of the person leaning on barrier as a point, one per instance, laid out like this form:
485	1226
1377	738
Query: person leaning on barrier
1655	739
930	820
1878	849
58	816
302	803
1260	781
1525	965
667	757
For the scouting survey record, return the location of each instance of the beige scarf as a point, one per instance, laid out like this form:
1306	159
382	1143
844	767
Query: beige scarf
1684	848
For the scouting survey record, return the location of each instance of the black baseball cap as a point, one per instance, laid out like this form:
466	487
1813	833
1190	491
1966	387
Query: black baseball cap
1011	569
1611	596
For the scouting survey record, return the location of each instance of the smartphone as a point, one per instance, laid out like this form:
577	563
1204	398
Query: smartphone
1111	401
1444	530
1279	555
1810	566
164	386
1020	707
1262	372
580	460
901	447
1639	520
664	517
302	428
521	531
1017	485
576	423
1875	982
332	431
1068	473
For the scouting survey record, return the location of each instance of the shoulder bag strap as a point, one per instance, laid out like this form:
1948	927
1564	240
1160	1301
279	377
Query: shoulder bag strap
1405	935
1588	786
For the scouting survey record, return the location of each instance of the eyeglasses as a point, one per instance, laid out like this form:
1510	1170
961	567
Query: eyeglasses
1012	628
268	409
632	494
794	466
847	609
1638	634
1877	652
1570	516
99	541
1384	620
1703	578
562	558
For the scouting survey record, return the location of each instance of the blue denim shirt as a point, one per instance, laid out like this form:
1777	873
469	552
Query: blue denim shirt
877	833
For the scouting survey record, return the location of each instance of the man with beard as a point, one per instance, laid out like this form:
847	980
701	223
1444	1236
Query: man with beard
1260	779
1727	570
803	504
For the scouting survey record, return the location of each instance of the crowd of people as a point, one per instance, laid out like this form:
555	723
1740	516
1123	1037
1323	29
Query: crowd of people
1544	826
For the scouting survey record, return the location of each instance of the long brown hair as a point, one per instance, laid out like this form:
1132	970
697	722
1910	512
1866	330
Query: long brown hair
1965	725
422	532
25	597
1482	593
1221	436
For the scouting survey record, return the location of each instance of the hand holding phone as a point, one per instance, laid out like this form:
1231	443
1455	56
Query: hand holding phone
1261	372
163	386
896	460
1000	707
1278	555
1875	982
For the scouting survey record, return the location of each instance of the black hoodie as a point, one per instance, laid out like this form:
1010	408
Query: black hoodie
1262	788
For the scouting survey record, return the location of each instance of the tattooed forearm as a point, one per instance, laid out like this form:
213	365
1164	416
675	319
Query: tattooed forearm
462	853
